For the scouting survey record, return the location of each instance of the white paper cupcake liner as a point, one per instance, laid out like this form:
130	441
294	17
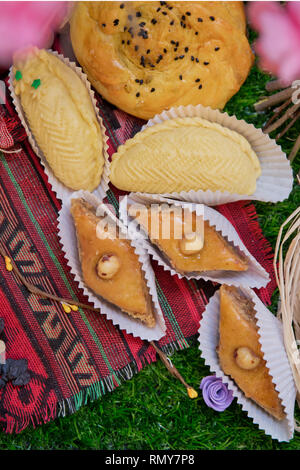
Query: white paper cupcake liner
68	240
276	180
272	346
256	276
62	191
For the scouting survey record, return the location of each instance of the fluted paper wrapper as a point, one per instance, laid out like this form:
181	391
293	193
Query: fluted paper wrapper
256	276
272	346
68	240
276	180
62	191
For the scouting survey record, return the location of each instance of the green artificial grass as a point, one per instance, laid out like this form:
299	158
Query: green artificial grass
152	410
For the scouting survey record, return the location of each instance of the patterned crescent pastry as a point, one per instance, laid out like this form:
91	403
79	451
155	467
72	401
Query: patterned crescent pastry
61	117
186	154
146	57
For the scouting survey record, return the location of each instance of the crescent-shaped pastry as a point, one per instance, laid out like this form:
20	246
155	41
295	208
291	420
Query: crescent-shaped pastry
61	117
145	57
186	154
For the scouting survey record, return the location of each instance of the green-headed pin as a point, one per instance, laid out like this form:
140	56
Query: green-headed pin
18	75
36	83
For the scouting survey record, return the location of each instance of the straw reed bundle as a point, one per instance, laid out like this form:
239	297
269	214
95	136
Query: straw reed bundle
287	271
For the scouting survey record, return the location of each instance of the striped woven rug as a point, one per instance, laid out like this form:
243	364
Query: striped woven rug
77	357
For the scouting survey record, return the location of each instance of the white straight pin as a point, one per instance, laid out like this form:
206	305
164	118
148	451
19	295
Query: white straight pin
2	352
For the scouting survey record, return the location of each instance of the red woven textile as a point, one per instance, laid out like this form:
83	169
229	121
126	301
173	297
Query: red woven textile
78	357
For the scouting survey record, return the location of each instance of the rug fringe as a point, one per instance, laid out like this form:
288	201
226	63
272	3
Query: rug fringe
172	347
106	384
264	243
265	247
71	405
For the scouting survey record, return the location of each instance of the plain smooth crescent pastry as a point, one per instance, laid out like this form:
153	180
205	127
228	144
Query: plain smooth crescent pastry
186	154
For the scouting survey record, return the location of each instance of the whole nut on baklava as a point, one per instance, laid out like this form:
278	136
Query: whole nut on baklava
191	243
246	359
108	266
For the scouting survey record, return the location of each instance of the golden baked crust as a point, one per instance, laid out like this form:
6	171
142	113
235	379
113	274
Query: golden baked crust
238	329
145	57
216	253
127	288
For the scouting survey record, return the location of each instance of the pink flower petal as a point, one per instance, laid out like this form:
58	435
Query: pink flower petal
256	9
278	45
293	9
28	23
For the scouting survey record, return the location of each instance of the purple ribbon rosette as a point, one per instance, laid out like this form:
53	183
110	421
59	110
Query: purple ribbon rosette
216	393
